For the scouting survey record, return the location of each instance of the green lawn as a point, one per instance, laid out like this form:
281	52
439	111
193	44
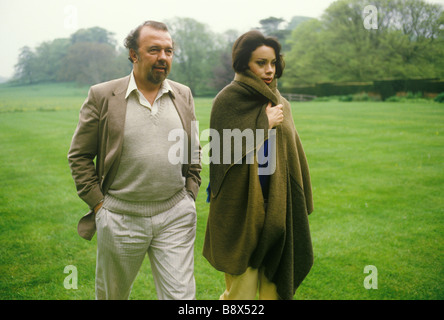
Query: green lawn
377	172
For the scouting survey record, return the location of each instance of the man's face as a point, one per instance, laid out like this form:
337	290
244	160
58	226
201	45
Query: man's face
153	60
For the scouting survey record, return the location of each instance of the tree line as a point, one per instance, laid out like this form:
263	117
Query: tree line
89	56
406	41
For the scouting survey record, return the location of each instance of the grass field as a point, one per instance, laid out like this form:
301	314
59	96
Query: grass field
377	172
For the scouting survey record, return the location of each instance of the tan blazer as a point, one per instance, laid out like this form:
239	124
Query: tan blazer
99	134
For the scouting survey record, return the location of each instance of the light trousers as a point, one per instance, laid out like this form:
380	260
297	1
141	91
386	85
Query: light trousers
247	285
168	238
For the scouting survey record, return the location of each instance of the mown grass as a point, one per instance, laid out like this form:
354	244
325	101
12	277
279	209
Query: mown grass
377	174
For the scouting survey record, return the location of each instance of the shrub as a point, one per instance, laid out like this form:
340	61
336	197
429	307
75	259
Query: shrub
417	95
361	97
394	99
440	98
346	98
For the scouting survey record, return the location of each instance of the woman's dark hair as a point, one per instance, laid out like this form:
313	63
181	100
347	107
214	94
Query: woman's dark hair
250	41
132	40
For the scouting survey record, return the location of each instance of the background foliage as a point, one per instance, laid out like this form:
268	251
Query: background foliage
409	43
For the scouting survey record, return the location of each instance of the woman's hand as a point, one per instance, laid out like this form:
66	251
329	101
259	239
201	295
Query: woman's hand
275	115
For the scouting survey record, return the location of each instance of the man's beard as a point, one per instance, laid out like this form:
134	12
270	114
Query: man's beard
157	77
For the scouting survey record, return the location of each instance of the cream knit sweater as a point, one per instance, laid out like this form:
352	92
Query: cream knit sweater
147	183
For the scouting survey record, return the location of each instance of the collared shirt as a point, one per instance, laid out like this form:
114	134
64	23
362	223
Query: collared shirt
164	89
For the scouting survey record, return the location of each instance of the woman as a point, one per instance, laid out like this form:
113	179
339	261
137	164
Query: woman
257	230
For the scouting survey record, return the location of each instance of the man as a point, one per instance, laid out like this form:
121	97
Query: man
140	202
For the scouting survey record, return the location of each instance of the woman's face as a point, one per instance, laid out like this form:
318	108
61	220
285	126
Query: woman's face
263	63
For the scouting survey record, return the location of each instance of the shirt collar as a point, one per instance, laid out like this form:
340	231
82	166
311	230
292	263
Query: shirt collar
164	88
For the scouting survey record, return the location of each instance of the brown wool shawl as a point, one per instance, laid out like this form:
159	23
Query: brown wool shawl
240	232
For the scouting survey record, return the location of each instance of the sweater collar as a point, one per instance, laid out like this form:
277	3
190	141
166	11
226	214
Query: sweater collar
269	91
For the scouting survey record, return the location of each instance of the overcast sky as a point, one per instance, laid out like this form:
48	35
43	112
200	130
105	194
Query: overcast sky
31	22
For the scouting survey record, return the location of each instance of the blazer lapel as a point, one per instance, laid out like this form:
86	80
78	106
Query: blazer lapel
181	103
116	124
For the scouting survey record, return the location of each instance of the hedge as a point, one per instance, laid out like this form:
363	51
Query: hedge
381	88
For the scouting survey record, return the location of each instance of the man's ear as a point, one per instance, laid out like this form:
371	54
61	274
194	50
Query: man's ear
133	55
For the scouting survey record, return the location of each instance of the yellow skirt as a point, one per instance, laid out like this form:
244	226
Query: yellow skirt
245	286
